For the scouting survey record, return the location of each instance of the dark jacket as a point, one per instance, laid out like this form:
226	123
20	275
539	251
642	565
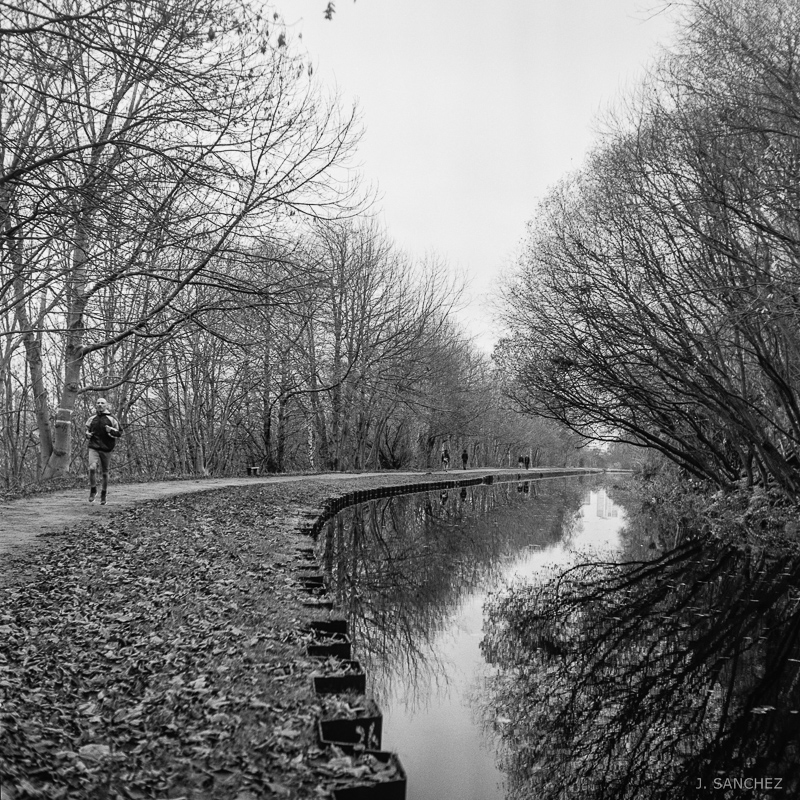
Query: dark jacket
100	438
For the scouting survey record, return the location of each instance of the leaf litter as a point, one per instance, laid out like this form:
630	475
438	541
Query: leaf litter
159	654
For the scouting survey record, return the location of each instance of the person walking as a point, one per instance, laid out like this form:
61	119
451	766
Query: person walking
464	458
445	459
102	432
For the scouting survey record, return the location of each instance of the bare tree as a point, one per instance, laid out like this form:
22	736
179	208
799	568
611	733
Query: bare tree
657	300
138	165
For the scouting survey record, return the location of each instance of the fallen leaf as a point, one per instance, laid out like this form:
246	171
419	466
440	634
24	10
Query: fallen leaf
94	752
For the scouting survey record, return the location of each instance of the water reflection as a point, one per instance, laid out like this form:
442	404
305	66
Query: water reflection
412	573
611	672
671	677
400	566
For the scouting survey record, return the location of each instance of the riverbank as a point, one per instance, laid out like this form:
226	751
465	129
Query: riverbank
158	650
24	520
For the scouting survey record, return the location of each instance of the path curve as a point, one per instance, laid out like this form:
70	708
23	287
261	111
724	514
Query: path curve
23	520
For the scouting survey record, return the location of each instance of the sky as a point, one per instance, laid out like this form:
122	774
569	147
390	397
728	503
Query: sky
471	111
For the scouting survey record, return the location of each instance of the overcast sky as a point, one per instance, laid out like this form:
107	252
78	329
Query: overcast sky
472	110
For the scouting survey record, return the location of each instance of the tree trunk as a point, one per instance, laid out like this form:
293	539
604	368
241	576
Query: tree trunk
33	355
61	454
280	448
74	353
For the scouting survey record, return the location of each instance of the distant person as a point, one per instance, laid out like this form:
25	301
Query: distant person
520	462
527	462
445	459
102	431
464	458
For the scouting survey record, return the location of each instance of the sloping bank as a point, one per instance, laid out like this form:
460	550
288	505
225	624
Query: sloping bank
160	652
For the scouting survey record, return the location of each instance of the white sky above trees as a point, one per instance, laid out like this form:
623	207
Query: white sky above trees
472	110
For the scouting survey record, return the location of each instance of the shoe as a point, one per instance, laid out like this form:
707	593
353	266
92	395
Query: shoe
103	499
92	495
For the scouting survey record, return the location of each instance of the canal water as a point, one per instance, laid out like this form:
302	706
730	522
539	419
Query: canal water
414	572
532	640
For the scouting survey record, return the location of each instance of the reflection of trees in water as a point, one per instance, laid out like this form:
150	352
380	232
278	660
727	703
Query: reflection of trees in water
651	679
401	565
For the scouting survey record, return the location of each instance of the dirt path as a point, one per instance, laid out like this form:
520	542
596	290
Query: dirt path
21	521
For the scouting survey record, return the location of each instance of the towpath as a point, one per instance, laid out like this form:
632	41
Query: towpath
23	520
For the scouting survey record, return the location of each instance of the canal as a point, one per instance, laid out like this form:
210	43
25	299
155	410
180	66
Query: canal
530	640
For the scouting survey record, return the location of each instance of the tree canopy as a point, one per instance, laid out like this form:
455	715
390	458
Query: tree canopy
657	298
